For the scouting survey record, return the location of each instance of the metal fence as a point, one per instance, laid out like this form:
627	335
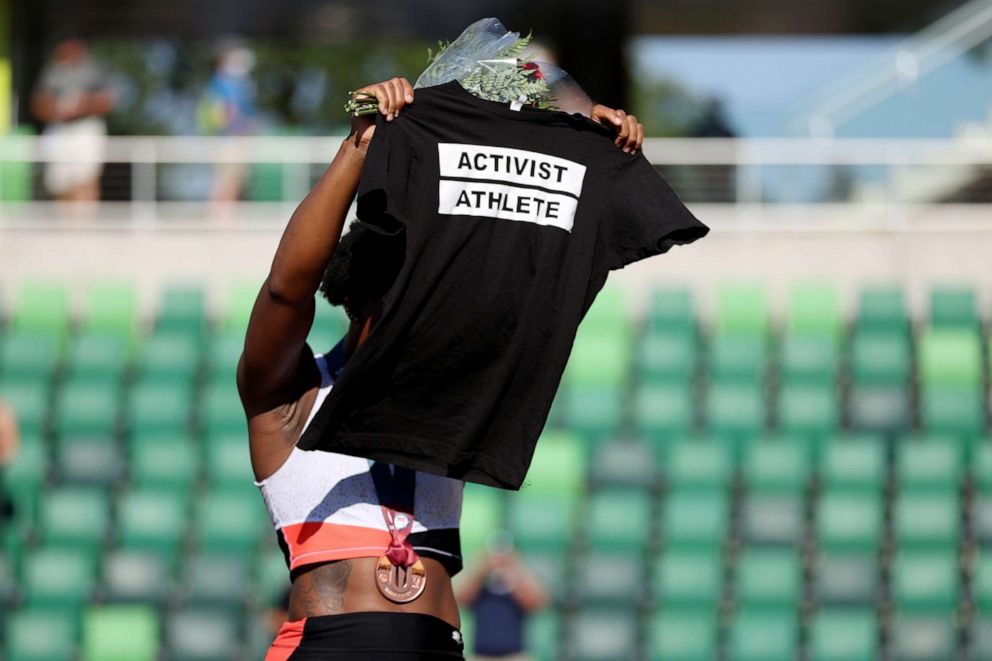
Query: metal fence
148	172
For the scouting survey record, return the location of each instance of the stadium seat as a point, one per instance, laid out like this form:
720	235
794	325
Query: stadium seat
112	308
844	635
163	461
329	325
844	579
223	352
700	463
228	461
880	409
762	635
152	520
135	577
849	520
540	521
776	466
738	358
29	401
97	357
950	357
671	309
102	633
39	634
237	308
598	358
952	410
809	359
854	464
981	638
619	519
809	410
89	461
85	410
981	517
159	408
217	579
612	578
688	578
682	635
540	634
75	517
663	412
42	309
170	358
623	463
221	411
482	513
928	463
769	578
667	356
735	412
773	519
202	634
228	521
981	581
953	307
694	519
597	634
595	412
608	313
181	311
881	358
742	309
28	356
981	466
926	581
927	520
924	637
814	310
58	577
17	168
558	466
551	571
883	309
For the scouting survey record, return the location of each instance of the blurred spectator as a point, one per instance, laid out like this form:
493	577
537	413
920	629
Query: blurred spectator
10	441
227	108
72	99
501	592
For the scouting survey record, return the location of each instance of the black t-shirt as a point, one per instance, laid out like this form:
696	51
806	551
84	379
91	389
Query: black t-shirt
511	221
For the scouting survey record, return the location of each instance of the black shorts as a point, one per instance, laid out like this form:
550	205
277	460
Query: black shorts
386	636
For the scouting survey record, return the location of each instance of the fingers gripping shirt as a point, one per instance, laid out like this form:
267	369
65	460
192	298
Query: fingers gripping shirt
510	223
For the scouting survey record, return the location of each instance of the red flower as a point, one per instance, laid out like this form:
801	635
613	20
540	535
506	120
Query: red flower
535	68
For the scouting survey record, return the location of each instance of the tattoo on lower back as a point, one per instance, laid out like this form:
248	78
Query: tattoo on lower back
324	589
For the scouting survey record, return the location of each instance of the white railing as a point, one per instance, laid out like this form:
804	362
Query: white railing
150	173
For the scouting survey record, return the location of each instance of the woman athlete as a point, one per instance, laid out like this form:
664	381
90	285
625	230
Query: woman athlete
335	514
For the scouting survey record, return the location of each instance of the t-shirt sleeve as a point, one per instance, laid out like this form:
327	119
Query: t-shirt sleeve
382	188
647	217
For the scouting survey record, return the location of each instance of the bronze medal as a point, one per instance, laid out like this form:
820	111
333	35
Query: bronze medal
400	584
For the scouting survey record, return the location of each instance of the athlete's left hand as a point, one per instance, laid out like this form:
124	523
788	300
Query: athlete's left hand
630	132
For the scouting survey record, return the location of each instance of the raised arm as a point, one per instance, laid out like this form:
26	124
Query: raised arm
283	313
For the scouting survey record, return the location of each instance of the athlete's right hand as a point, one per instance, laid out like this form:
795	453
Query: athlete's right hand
391	95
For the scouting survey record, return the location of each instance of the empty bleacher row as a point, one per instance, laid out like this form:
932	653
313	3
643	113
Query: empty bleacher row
739	487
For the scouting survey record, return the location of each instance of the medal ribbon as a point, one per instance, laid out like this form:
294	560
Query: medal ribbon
396	490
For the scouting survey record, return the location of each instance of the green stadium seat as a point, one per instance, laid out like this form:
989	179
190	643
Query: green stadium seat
881	358
927	519
16	171
762	635
86	410
809	359
663	412
330	324
926	581
671	309
981	581
558	467
163	461
112	308
682	635
924	638
935	463
550	570
595	412
883	309
957	411
152	520
814	309
40	634
42	308
22	479
199	634
769	578
667	357
688	578
776	466
953	307
271	576
950	357
598	358
170	358
141	577
220	579
482	513
228	460
598	634
735	411
809	410
742	309
844	635
880	409
89	461
849	521
222	412
75	517
623	463
160	408
58	577
182	310
856	464
540	635
738	358
29	401
102	633
229	521
540	521
237	309
981	638
611	579
223	354
98	357
699	463
981	466
695	519
619	519
981	517
773	519
843	579
28	356
608	312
